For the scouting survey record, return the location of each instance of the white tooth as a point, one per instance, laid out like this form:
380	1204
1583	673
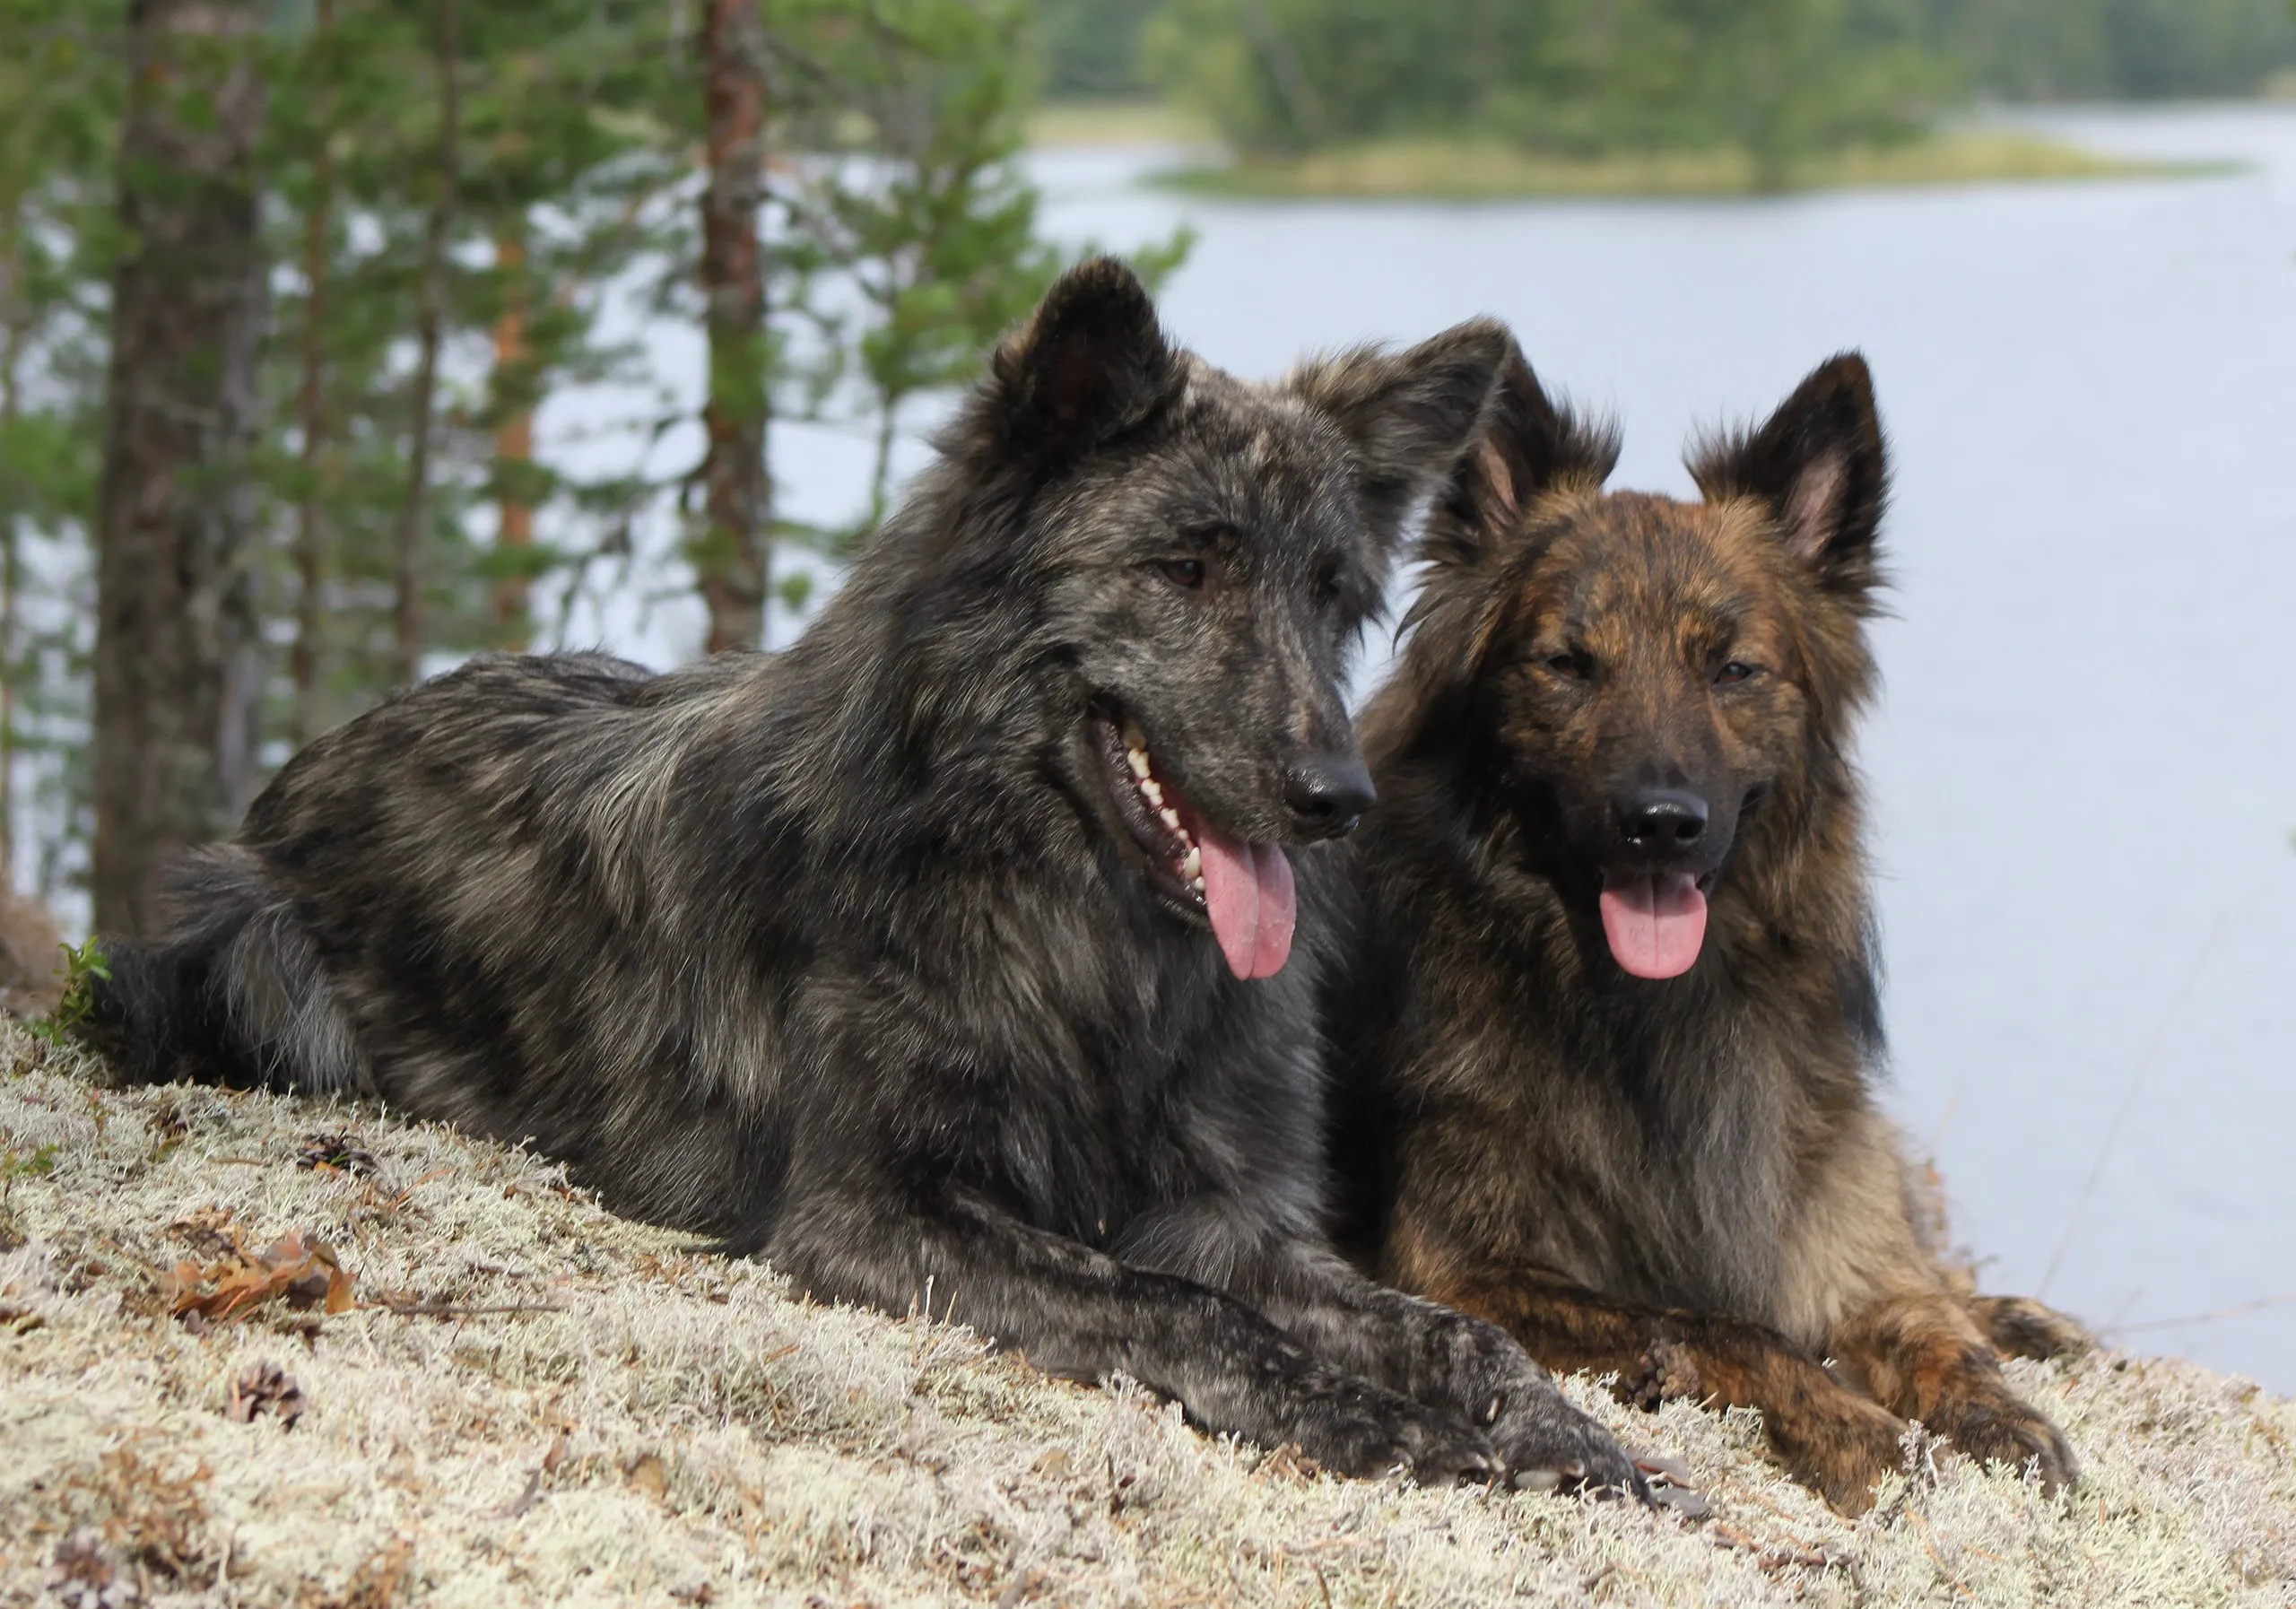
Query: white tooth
1155	794
1171	818
1197	885
1138	760
1192	866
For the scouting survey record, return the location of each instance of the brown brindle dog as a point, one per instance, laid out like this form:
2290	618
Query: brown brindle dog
1607	1037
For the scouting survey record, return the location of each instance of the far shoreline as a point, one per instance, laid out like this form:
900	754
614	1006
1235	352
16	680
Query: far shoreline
1490	171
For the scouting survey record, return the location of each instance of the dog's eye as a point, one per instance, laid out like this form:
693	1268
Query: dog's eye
1735	672
1575	666
1187	574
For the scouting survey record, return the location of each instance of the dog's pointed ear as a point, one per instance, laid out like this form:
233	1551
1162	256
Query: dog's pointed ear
1820	465
1410	415
1091	363
1529	446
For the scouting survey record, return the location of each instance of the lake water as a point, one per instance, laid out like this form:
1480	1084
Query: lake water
2084	764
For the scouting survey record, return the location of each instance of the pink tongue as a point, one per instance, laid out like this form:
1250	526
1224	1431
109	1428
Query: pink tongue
1248	889
1655	925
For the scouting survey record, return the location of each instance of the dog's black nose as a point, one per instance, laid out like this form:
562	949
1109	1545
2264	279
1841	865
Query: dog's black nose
1659	820
1327	792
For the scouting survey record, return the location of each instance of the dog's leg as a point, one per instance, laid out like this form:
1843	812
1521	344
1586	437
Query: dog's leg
1829	1437
1436	1355
1923	1354
2020	1327
1077	1313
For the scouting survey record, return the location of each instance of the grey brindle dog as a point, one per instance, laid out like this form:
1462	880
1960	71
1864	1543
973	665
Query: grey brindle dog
948	948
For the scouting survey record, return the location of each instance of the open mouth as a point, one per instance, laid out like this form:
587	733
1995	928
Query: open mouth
1243	889
1655	921
1151	809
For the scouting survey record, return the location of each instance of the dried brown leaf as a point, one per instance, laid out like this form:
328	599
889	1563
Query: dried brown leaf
303	1270
647	1472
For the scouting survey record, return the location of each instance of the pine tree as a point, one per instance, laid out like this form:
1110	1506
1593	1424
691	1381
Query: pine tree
178	638
250	291
731	560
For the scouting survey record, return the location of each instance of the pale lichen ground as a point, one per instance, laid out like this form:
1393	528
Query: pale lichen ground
646	1424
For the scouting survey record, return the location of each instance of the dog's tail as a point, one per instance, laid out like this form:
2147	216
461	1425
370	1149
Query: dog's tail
231	990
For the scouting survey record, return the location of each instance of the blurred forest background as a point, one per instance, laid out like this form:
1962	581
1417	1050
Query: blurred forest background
1774	77
283	284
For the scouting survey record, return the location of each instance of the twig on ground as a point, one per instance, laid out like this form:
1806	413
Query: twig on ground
526	1500
1767	1555
455	1310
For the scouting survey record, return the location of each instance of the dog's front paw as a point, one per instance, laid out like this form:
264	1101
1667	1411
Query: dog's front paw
2020	1327
1351	1426
1994	1427
1546	1444
1838	1443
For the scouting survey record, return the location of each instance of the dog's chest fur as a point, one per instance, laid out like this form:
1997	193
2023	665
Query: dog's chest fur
1661	1145
1097	1062
1679	1123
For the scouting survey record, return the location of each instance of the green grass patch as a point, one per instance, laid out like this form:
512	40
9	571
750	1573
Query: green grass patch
1470	171
1087	125
83	967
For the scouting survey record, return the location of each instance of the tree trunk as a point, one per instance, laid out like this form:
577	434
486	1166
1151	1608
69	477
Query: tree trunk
514	444
431	319
732	560
178	672
310	535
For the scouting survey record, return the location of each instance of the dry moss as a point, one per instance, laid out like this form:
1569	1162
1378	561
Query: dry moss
546	1404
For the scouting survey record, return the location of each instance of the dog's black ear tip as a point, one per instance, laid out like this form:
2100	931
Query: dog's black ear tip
1834	408
1515	370
1520	397
1847	367
1844	381
1102	290
1488	339
1102	273
1098	301
1090	361
1482	352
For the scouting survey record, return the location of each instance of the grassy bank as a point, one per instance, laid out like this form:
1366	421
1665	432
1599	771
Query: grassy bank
1492	170
1439	171
1090	125
520	1399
